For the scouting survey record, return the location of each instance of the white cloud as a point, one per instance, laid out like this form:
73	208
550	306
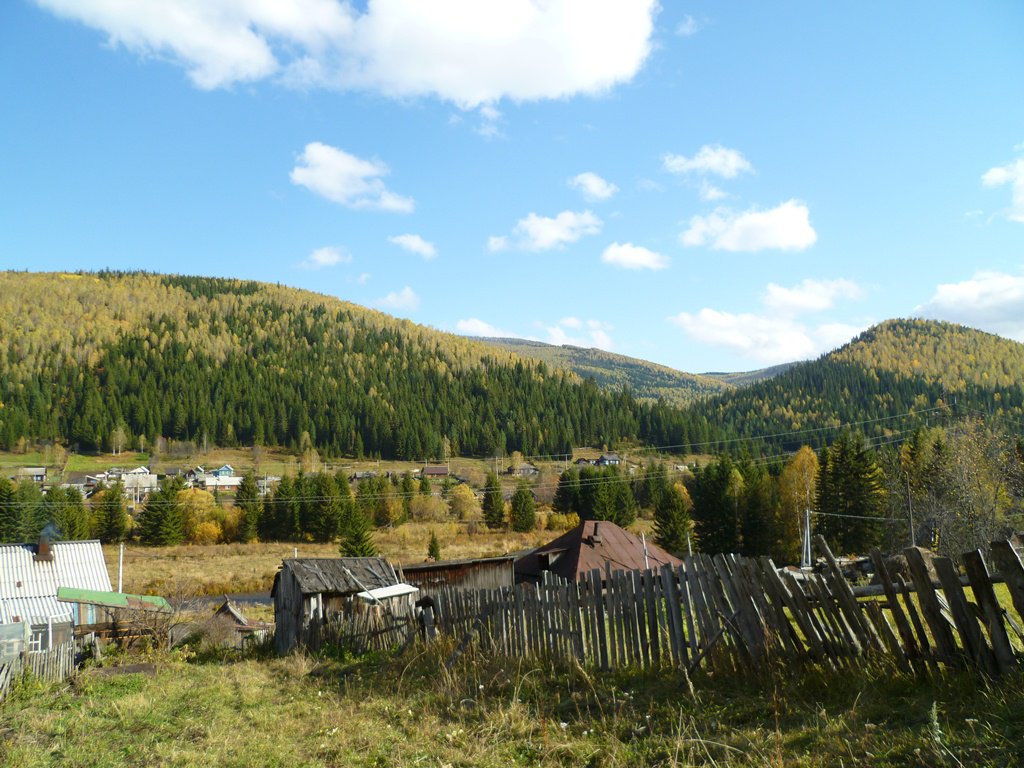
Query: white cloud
688	27
463	51
1012	174
992	301
710	192
542	233
405	299
325	257
768	340
475	327
415	244
595	333
364	278
347	179
715	160
629	256
786	227
810	295
593	186
490	122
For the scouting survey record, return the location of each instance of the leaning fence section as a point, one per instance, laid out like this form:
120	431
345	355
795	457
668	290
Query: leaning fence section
21	653
732	613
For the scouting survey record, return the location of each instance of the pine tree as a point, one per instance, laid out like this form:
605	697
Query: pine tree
162	520
523	516
357	541
327	521
494	503
567	496
425	487
248	500
9	528
672	519
111	516
434	547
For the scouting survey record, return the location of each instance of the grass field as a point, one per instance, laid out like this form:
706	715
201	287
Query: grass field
219	568
409	711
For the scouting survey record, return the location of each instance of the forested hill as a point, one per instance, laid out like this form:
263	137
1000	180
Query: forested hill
648	381
94	359
933	368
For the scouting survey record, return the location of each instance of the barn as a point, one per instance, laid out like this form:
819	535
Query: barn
594	544
308	590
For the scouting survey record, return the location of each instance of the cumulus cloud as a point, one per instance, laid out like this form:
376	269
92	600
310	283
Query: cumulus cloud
786	227
403	300
584	333
713	160
810	295
325	257
415	244
473	326
542	233
710	192
1013	175
764	338
629	256
346	179
592	186
462	51
777	335
992	301
688	27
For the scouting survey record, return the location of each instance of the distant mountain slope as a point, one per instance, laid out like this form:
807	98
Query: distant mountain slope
648	381
100	358
932	368
745	378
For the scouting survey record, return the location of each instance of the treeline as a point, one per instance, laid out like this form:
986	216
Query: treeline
930	370
234	363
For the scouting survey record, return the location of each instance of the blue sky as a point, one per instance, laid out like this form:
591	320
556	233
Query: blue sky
711	186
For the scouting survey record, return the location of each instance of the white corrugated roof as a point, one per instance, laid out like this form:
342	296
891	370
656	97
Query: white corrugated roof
382	593
28	589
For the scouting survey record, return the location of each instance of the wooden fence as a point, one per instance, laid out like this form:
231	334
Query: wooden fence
50	664
360	630
732	613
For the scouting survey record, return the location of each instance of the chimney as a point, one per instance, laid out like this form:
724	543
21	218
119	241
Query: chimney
595	537
44	554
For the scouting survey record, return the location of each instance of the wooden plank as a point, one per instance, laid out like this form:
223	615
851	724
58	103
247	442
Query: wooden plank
744	627
600	623
910	647
651	603
971	638
611	620
644	639
673	617
1012	572
775	610
945	643
874	612
811	625
842	642
924	644
686	599
991	611
846	601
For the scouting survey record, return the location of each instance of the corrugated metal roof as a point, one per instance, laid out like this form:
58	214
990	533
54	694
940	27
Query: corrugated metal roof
579	551
28	589
383	593
340	575
113	599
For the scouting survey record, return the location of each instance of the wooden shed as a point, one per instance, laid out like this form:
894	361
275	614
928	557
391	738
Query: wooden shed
308	590
479	573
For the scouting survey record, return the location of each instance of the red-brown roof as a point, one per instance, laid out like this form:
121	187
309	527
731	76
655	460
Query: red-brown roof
593	544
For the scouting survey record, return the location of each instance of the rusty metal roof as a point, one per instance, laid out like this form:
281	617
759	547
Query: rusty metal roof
593	544
339	575
28	588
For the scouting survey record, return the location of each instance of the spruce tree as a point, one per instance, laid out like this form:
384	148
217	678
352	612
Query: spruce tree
425	487
162	520
9	528
523	516
328	508
494	503
567	496
357	541
672	519
434	547
248	500
111	516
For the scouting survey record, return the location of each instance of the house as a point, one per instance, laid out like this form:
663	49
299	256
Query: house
36	474
582	462
31	574
609	460
524	470
225	471
480	573
594	544
434	472
221	482
308	590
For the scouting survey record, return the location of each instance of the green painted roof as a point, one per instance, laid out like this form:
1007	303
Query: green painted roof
113	599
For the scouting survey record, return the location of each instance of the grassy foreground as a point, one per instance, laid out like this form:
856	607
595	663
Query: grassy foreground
408	711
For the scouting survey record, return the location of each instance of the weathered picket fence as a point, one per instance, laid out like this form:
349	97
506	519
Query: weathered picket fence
360	630
53	663
732	613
